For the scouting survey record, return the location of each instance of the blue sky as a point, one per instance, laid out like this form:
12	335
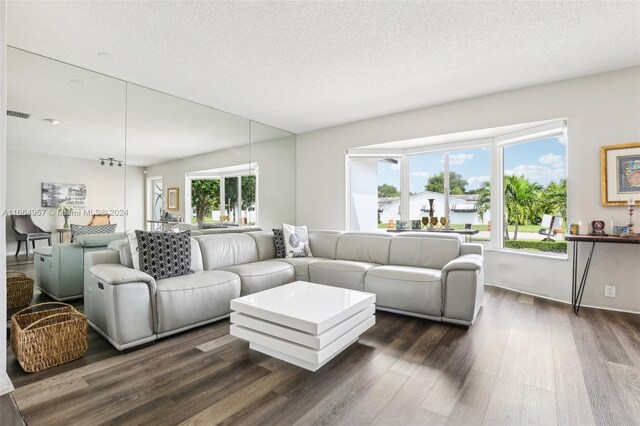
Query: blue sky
541	161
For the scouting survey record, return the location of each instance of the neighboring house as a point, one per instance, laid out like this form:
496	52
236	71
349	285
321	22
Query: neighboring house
462	208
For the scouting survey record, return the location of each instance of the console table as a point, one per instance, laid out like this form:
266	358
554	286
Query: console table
577	291
466	232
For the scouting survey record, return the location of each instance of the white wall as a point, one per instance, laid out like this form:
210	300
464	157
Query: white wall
5	383
602	109
276	181
105	189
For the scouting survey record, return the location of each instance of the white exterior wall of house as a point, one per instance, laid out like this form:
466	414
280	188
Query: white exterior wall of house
390	211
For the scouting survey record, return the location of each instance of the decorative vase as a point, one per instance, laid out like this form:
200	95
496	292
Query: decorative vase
431	214
66	222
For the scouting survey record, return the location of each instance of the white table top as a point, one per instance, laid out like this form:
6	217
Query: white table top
309	307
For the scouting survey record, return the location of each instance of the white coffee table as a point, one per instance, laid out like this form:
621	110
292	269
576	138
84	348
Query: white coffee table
303	323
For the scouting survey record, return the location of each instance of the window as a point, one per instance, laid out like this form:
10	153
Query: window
510	187
535	195
228	194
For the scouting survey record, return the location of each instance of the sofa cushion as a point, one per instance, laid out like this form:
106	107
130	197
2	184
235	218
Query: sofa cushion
191	299
98	240
324	243
301	266
406	288
164	254
258	276
340	273
364	247
221	251
424	251
264	243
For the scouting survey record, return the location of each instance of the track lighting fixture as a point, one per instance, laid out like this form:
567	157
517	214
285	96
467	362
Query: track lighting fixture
111	160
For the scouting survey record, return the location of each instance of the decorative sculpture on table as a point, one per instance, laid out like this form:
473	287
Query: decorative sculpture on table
432	214
66	210
630	233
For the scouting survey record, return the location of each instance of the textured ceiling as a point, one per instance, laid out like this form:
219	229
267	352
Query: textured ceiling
301	66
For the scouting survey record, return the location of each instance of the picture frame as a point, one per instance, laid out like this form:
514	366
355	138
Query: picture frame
173	199
620	174
55	194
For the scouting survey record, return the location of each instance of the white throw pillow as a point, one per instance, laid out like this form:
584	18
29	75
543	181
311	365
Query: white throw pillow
133	246
296	240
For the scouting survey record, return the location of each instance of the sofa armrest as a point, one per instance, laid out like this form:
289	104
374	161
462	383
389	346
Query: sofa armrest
471	248
115	274
466	262
463	289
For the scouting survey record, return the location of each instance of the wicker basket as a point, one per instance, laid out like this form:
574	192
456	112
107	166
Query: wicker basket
48	338
19	289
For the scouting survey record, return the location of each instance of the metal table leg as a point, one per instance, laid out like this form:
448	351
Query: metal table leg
578	291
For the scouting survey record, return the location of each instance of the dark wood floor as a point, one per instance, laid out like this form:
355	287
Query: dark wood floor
527	360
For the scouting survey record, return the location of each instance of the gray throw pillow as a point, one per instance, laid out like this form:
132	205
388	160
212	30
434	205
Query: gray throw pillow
164	254
85	229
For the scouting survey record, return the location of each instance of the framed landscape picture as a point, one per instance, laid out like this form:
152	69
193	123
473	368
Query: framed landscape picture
620	174
54	194
173	202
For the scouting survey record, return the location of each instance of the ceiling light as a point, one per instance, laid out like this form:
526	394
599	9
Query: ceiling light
51	120
120	164
102	162
111	163
105	55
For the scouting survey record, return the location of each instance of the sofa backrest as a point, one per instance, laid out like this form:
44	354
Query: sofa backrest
220	251
424	250
264	243
324	243
364	247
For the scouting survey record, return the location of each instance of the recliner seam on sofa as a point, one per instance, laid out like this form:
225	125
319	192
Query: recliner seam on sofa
197	288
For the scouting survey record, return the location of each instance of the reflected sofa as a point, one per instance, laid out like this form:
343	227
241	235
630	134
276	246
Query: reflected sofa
438	277
59	269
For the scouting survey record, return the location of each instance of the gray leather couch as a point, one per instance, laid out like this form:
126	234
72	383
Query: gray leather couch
433	276
59	268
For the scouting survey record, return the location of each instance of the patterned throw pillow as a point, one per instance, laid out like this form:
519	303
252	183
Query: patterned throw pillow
278	241
83	229
296	240
211	225
164	254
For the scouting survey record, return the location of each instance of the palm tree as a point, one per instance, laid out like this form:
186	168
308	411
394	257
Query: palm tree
520	201
484	200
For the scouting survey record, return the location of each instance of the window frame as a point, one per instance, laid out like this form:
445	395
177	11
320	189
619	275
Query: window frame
496	145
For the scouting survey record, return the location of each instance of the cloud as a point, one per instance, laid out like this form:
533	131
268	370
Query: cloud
476	181
421	174
562	140
536	172
459	159
395	166
555	160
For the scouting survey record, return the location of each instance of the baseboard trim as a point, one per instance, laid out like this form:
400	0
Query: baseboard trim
5	384
564	301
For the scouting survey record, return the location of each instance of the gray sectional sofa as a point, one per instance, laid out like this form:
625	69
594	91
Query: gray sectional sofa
433	276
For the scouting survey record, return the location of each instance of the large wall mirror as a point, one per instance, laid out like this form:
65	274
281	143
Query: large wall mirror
87	154
65	149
